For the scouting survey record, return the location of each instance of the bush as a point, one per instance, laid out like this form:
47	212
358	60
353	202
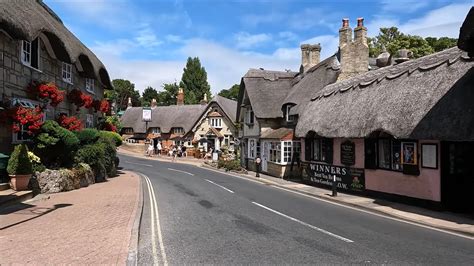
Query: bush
232	165
110	153
87	136
94	156
114	137
19	163
55	145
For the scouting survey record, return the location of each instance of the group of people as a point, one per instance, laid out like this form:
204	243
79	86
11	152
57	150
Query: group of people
174	151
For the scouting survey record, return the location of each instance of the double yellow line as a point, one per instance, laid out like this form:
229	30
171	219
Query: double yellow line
155	222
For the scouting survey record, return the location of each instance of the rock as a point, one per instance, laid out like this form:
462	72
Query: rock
85	175
54	181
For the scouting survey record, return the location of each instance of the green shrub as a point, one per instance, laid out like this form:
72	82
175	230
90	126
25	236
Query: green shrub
94	156
231	165
116	138
87	136
19	163
110	153
55	145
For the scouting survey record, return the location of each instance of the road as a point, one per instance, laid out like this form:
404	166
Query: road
204	216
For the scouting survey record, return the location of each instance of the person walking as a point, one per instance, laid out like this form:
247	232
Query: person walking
174	154
150	149
158	147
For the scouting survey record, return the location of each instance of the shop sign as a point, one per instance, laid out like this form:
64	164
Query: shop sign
349	179
146	114
348	153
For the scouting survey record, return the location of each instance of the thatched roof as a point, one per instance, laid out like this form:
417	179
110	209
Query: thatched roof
29	19
427	98
466	34
279	133
312	81
227	105
164	117
266	91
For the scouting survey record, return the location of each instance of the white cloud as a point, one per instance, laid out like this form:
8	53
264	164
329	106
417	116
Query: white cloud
147	38
406	6
329	44
288	36
246	40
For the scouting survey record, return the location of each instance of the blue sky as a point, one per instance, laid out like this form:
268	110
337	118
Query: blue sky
148	41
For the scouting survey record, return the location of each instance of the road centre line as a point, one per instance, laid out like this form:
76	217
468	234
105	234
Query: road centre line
149	165
303	223
181	171
219	185
376	214
154	210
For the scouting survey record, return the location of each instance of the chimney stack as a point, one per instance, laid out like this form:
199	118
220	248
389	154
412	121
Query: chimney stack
129	104
353	54
204	100
310	56
180	97
153	104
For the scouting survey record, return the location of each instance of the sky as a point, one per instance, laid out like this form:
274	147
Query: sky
149	41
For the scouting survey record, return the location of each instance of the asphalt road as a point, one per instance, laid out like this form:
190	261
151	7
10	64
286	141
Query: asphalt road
203	216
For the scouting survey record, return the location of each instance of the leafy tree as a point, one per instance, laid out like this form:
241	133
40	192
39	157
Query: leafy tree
394	40
168	95
123	90
232	93
194	81
148	95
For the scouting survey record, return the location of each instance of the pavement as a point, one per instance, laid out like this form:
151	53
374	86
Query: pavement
91	225
454	222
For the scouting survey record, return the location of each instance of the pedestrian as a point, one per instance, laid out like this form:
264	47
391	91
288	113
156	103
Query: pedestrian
183	150
180	151
150	149
174	154
158	147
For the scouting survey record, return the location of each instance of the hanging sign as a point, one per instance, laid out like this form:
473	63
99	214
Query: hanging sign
348	153
146	115
349	179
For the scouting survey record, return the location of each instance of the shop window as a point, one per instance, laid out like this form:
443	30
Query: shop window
30	52
67	72
90	85
216	122
320	149
389	154
275	152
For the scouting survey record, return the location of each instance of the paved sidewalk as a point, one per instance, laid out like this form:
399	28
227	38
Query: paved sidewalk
90	225
453	222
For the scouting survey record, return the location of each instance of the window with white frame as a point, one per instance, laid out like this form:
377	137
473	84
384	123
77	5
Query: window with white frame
67	72
283	152
178	130
128	130
22	134
90	85
249	117
30	52
252	148
216	122
275	152
155	130
289	118
89	120
226	140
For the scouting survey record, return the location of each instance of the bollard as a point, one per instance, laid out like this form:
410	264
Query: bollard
334	186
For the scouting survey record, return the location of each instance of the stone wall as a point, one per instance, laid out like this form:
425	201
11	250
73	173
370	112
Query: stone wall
354	55
15	77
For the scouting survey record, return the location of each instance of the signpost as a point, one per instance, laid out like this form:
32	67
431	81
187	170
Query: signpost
146	117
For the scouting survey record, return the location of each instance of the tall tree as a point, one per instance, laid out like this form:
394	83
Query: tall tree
395	40
123	90
148	95
232	93
168	95
194	81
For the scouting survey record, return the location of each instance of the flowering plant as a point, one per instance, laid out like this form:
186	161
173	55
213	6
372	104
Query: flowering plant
87	100
80	99
33	158
30	118
47	91
71	123
102	106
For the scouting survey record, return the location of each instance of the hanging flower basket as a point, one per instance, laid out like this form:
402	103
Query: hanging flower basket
70	123
29	118
102	106
46	91
80	99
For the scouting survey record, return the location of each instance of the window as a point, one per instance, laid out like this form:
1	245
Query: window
249	117
289	118
155	130
128	130
89	120
319	149
22	135
252	148
178	130
67	72
389	154
90	85
216	122
30	53
226	140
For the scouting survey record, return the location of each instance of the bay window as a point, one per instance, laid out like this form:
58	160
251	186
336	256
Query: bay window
283	152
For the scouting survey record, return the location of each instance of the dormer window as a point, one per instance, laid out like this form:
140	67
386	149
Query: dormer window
67	72
30	53
216	122
155	130
178	130
90	85
289	118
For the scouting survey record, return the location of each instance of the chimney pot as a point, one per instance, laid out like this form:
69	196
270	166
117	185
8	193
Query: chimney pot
360	22
180	97
345	22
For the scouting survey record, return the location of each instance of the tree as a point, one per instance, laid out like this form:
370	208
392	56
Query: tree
194	81
148	95
232	93
394	40
125	89
168	95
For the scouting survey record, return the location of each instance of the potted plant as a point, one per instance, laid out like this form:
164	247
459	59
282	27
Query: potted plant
19	168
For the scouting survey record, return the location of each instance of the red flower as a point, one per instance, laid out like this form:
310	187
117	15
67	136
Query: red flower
71	123
47	91
29	118
80	99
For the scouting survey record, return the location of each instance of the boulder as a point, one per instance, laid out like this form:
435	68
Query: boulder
54	181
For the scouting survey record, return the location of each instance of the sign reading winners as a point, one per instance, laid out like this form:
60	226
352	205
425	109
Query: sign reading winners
350	179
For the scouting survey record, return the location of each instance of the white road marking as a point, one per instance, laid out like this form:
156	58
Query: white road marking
149	165
219	185
305	224
176	170
377	214
154	210
231	175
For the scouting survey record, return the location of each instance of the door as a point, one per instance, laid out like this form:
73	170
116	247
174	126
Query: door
265	155
457	176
